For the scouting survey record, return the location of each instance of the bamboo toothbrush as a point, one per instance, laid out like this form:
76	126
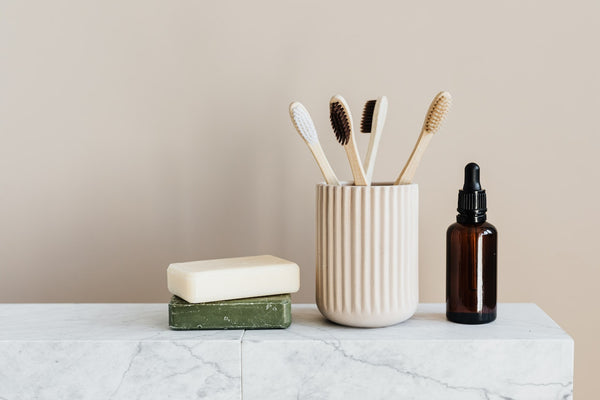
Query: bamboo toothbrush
373	119
435	116
306	128
341	122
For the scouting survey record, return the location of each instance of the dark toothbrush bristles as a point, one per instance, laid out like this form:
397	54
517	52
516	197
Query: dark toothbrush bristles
339	122
366	123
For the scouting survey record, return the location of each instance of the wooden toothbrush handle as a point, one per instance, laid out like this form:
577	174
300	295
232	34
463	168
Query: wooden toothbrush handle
372	154
408	172
355	165
323	164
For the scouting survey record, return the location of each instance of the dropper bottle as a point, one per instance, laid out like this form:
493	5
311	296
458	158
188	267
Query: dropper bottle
471	251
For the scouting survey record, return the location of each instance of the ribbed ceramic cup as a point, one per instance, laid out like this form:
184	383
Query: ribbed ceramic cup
367	253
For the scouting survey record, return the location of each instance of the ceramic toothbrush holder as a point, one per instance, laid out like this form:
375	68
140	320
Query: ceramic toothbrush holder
367	253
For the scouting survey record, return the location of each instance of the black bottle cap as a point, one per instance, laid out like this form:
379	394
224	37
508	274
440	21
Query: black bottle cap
471	199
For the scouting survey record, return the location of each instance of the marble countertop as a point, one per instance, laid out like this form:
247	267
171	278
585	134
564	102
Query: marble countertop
125	351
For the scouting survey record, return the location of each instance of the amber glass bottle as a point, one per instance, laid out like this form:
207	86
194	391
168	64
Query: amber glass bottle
471	250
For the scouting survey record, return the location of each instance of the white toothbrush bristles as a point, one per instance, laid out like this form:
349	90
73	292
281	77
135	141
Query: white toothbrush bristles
303	122
306	128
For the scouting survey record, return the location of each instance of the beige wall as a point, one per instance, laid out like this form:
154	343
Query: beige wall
138	133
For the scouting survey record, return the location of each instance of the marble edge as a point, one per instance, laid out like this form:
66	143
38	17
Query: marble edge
128	340
389	340
345	334
166	335
565	334
540	309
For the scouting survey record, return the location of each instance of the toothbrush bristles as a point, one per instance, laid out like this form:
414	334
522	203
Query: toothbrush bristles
437	111
366	123
339	122
303	122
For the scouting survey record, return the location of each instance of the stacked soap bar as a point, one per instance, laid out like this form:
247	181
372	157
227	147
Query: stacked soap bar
253	313
232	293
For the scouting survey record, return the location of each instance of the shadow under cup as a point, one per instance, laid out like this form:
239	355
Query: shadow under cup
367	253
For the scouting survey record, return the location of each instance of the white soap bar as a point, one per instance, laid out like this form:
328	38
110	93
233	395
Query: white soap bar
232	278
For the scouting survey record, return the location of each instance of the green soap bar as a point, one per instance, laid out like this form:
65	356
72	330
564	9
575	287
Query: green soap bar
266	312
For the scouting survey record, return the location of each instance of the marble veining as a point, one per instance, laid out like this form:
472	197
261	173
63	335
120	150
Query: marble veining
126	351
523	355
112	351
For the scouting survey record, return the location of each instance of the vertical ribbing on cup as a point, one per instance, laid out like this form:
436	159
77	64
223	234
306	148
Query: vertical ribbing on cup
356	249
326	236
365	243
368	253
338	238
321	252
404	273
319	249
409	285
346	250
375	251
395	282
327	246
386	248
414	218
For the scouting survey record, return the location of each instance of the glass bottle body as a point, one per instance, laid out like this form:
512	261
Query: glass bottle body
471	273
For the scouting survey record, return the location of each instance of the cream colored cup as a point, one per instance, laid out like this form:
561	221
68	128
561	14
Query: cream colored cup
367	253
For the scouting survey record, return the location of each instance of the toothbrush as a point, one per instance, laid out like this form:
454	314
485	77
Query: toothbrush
341	122
435	116
306	128
373	119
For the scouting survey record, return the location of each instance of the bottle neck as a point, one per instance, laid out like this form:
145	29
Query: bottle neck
471	218
472	207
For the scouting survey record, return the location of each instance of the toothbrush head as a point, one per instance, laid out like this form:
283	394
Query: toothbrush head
374	110
341	119
437	112
303	122
366	124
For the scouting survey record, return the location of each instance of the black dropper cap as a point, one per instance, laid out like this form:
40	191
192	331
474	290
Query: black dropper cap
471	199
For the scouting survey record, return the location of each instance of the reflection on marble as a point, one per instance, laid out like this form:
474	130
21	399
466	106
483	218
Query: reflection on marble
523	355
112	351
